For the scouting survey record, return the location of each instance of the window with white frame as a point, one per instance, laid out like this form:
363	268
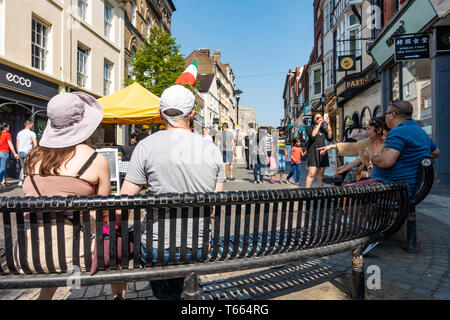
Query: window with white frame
82	8
108	19
327	17
133	13
82	67
328	72
316	82
39	45
107	78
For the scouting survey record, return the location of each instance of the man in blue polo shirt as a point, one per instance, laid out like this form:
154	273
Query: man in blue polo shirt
405	147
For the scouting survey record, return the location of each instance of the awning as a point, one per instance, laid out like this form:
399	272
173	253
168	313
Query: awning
131	105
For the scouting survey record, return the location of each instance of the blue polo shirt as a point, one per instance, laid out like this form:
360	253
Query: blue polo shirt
414	145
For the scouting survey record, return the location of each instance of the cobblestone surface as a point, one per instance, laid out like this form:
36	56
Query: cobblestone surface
424	275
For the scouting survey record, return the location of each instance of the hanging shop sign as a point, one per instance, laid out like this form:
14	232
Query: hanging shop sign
415	47
347	63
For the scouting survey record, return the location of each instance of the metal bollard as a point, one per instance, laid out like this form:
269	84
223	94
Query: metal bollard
411	232
358	289
191	289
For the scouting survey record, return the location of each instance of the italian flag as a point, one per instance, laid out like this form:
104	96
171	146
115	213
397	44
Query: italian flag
189	76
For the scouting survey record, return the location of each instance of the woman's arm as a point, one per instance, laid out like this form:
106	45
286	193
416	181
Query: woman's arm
11	147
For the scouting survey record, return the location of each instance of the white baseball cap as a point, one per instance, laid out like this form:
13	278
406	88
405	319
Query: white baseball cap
179	98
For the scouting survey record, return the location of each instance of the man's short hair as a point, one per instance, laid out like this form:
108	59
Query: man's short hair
225	125
27	122
404	109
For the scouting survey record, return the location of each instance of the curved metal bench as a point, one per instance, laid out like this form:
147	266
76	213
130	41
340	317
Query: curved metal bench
250	230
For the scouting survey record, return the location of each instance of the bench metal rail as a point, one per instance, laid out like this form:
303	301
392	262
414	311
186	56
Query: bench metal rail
249	230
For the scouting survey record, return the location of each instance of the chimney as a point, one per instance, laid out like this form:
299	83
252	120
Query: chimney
205	51
217	55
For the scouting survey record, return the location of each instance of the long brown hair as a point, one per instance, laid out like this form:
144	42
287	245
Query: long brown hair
51	160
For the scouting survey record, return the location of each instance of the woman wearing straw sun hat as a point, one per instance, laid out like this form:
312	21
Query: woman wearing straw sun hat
64	165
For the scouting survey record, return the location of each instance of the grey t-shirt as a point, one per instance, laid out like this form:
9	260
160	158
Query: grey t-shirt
226	139
176	161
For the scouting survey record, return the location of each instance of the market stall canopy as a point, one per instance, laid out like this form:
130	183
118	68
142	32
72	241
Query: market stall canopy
131	105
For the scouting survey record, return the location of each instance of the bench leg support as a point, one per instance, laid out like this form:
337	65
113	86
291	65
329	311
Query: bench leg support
358	285
191	289
411	231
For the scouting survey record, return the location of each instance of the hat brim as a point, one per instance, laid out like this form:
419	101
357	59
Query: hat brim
77	133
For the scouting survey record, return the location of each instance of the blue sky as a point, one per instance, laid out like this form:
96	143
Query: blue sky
262	38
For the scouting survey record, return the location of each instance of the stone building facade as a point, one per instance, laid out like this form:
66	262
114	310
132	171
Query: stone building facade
140	16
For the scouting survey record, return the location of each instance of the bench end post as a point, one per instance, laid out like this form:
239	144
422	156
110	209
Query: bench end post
358	286
191	289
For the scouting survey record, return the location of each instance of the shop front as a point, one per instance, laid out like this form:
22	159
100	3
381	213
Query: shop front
23	96
423	80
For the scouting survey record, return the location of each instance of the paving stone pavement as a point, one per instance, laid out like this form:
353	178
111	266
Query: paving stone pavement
423	276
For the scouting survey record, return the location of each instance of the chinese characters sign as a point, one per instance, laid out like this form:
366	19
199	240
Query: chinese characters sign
412	48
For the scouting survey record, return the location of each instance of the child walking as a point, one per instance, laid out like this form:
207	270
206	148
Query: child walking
296	162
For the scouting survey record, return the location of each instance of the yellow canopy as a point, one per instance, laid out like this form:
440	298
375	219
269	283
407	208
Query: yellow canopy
131	105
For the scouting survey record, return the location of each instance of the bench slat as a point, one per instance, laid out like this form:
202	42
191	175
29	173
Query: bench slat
206	232
22	242
35	251
254	238
216	233
185	214
237	231
9	242
195	233
172	235
61	241
125	262
265	224
161	235
87	239
149	237
46	217
226	237
274	227
99	240
282	227
137	238
112	240
245	242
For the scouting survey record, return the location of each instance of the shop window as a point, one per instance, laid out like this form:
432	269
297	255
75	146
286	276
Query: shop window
416	89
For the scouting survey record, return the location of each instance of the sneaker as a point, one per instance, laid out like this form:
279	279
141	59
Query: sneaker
20	184
231	178
288	181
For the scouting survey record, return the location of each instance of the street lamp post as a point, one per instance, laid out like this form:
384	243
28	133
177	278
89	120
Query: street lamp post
237	93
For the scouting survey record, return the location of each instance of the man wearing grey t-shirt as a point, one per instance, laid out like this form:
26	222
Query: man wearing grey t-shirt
174	160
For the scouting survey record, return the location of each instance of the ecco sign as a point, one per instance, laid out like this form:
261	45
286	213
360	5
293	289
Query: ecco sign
18	80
